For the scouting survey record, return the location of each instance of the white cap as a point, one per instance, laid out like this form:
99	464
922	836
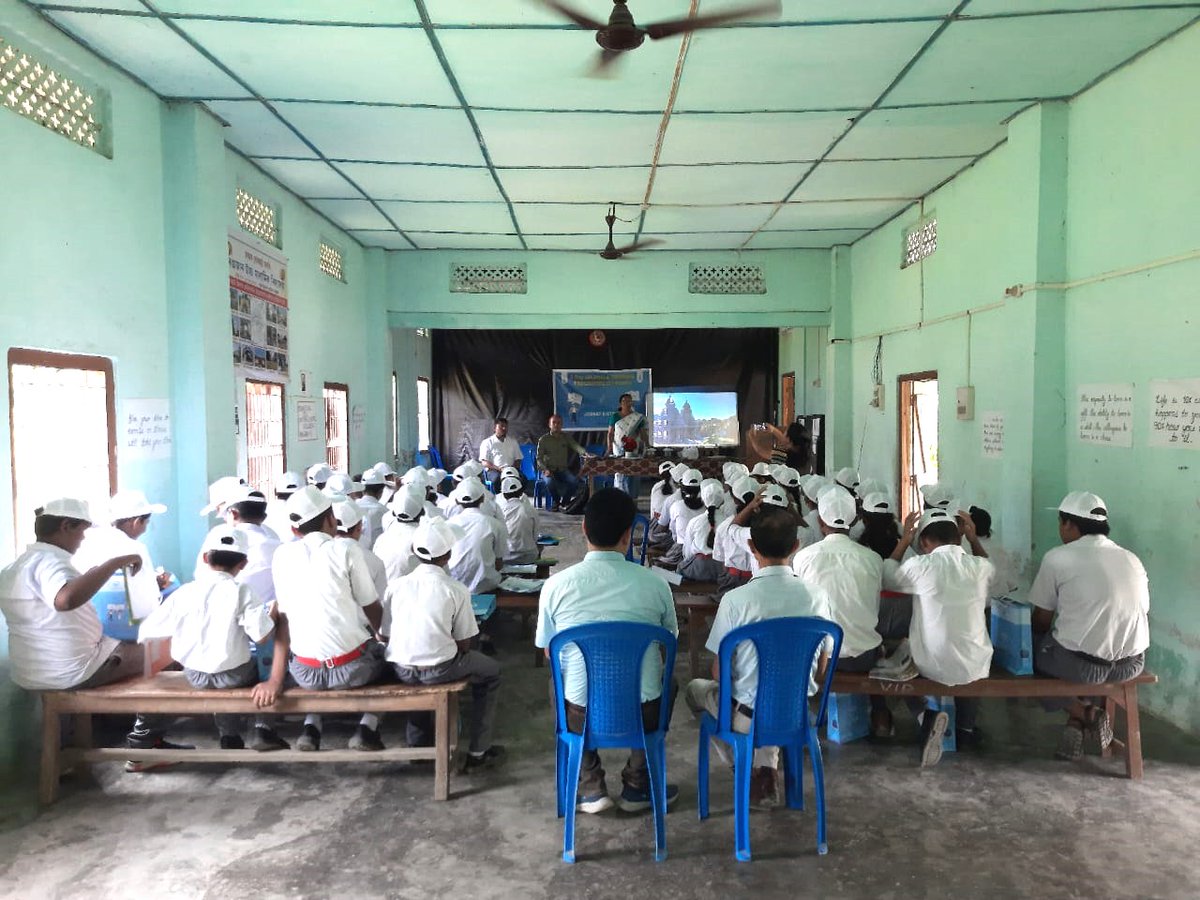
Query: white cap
318	473
836	508
383	469
938	495
244	493
732	471
510	483
348	514
773	495
468	491
416	475
67	508
744	487
787	477
435	537
869	486
1085	506
227	538
665	466
508	471
436	476
340	483
678	471
930	516
761	469
131	505
306	504
373	476
407	503
877	502
712	493
691	478
813	486
847	478
288	482
220	491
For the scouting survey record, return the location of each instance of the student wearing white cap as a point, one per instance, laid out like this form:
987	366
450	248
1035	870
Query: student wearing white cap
663	489
603	587
391	481
55	641
936	496
339	484
774	592
470	469
687	507
325	590
286	484
394	546
208	622
847	478
810	489
247	512
881	532
729	553
129	513
349	528
429	643
761	472
477	557
850	576
371	503
498	450
660	536
1091	599
948	635
318	474
520	521
699	538
220	492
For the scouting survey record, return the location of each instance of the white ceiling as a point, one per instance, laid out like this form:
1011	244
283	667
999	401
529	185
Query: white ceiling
470	124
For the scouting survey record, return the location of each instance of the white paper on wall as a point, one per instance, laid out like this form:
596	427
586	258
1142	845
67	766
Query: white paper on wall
1175	419
993	435
1104	414
307	427
145	430
358	421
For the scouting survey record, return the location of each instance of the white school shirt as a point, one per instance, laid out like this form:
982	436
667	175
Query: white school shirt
373	512
1004	579
277	520
681	514
659	499
695	535
375	567
948	636
736	548
322	585
520	524
208	621
49	650
1101	594
260	554
432	509
103	542
394	547
773	593
473	559
604	587
506	452
850	576
431	611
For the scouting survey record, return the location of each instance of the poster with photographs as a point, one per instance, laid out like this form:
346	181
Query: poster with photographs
258	308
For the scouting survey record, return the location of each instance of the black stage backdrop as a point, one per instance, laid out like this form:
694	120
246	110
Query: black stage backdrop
478	375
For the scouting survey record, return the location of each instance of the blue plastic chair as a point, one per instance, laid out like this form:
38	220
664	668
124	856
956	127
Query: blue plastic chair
612	657
602	481
640	542
786	650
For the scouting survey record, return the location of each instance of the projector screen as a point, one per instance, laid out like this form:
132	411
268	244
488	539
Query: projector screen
686	417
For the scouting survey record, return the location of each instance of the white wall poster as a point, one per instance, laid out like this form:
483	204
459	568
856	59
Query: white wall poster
1175	419
1104	414
145	430
307	424
993	435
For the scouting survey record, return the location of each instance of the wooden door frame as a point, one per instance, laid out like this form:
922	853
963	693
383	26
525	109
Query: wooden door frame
787	416
339	386
903	401
282	415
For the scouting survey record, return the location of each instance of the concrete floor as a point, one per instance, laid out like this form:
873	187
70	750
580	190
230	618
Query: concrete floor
1009	821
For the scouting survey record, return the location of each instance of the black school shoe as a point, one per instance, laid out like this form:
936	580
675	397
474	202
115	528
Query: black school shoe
151	743
968	738
265	740
232	742
490	757
366	739
310	739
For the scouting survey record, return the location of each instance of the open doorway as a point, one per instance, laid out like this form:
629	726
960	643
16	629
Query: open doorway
918	437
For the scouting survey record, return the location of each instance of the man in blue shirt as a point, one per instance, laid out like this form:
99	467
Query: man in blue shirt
605	587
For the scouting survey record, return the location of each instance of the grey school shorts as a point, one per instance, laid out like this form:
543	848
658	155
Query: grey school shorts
366	669
1053	659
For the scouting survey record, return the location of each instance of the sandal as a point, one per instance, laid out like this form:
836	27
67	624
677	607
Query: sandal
1100	726
1070	742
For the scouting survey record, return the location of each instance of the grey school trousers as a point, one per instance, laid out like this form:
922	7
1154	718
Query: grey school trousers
484	674
127	660
356	673
245	675
1053	659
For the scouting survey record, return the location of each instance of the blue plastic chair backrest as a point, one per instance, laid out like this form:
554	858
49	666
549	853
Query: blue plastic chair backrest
786	649
436	457
612	656
529	461
424	459
637	540
594	449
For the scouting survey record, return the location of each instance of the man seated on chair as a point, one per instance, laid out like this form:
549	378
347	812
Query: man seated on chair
498	450
1090	598
604	587
553	456
774	592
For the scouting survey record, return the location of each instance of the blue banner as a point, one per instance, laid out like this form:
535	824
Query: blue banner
587	398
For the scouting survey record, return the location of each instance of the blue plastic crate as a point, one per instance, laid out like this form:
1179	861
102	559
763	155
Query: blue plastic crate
848	717
1012	636
483	605
113	609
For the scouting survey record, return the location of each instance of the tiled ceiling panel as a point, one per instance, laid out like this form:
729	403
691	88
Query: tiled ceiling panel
467	241
352	214
765	137
866	180
725	184
517	139
627	185
797	68
398	182
927	131
386	134
369	65
708	240
388	240
709	218
152	52
848	214
555	219
775	240
489	217
309	177
583	242
255	131
1038	56
373	11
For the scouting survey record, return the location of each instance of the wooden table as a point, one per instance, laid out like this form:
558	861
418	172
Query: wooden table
696	599
644	466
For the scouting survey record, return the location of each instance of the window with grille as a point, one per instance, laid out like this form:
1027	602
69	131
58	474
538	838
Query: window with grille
422	413
329	259
32	88
919	242
266	456
64	437
471	279
258	217
337	426
737	279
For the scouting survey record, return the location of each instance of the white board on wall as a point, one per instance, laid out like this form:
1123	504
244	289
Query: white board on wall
1104	414
307	426
145	431
993	435
1175	416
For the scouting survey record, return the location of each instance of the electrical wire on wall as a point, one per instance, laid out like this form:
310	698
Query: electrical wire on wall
877	365
876	381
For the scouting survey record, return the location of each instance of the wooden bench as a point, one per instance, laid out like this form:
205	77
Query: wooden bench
169	693
1117	695
695	599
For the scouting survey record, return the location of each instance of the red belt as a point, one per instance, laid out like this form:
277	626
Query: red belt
738	573
335	661
704	555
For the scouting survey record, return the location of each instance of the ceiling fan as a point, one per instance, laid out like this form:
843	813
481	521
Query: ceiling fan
622	33
614	252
